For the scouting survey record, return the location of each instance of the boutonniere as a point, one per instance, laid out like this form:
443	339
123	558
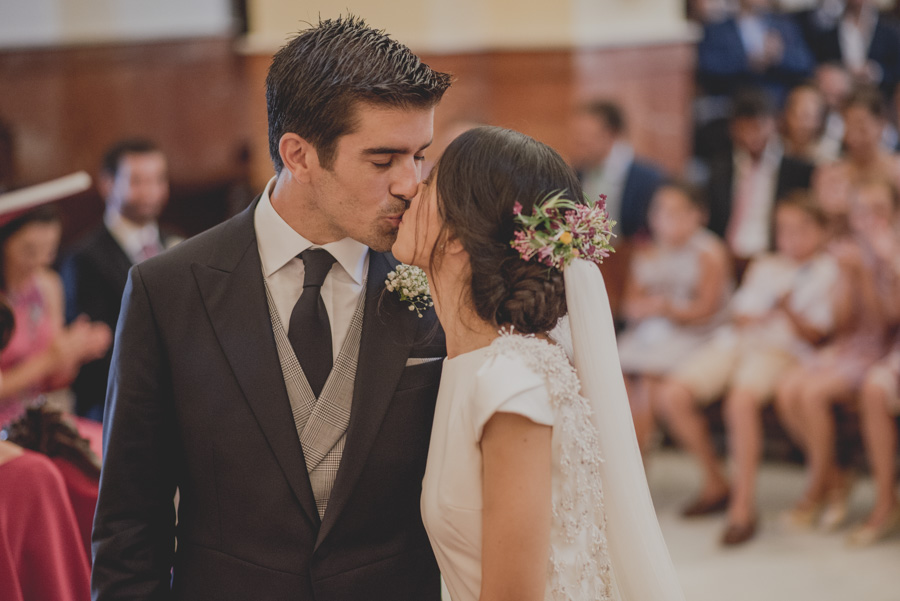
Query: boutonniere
411	285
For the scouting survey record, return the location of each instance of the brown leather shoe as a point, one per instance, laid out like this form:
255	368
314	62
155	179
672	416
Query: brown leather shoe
700	506
738	535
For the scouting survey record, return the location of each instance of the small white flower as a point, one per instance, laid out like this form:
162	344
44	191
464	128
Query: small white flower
411	284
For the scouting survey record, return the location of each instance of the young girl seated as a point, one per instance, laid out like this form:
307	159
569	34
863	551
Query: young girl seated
865	308
780	310
879	406
675	297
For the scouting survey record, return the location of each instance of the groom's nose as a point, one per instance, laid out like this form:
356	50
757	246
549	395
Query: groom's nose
406	179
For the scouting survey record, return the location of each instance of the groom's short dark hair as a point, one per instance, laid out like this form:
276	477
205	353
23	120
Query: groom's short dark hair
317	78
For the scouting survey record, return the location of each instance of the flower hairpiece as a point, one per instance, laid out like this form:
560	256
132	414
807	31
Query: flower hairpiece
411	285
560	230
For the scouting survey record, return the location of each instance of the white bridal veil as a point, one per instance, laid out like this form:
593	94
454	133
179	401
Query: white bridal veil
641	565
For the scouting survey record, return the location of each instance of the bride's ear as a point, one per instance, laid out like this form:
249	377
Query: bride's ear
452	246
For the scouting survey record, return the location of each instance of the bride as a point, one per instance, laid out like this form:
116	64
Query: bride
534	487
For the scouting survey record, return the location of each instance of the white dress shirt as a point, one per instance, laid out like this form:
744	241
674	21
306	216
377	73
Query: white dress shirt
133	238
749	227
856	37
753	32
279	246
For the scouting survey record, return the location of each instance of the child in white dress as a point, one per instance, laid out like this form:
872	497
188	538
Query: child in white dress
675	297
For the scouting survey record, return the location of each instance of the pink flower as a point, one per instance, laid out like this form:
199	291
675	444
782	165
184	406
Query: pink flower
517	208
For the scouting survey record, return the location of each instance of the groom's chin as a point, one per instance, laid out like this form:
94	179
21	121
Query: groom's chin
382	241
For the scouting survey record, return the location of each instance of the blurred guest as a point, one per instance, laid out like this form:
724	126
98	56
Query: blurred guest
755	47
865	117
835	84
745	184
865	42
779	311
676	293
606	164
41	555
43	354
831	191
802	124
134	183
879	404
865	307
41	551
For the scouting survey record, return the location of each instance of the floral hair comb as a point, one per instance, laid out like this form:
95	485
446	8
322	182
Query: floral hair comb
560	230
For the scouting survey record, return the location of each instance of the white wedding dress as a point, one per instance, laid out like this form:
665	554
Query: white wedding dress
605	537
530	377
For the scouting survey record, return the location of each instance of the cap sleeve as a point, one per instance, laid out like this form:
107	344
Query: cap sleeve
504	384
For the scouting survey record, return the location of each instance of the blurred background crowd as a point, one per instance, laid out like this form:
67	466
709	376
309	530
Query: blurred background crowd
748	154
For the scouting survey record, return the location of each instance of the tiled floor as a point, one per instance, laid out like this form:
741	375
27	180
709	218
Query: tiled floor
777	565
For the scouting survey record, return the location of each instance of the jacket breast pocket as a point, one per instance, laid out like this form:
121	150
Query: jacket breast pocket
422	374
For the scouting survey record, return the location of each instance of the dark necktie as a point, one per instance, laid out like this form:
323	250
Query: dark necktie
309	330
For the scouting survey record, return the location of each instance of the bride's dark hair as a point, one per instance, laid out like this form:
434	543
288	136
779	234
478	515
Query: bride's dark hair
479	178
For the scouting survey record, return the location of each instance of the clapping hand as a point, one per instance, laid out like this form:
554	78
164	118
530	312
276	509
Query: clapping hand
81	342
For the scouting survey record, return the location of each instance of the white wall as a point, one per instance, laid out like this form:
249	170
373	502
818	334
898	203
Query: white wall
26	23
435	26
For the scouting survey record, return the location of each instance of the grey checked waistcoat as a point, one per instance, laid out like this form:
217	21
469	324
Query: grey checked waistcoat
321	423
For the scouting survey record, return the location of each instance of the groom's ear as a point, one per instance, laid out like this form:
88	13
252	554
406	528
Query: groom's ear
299	156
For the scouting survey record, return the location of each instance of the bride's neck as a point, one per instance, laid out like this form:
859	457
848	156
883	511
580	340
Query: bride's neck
463	329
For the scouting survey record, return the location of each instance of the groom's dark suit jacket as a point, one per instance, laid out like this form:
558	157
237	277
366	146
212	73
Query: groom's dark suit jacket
197	401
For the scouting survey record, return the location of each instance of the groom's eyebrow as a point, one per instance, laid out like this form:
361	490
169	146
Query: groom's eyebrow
392	150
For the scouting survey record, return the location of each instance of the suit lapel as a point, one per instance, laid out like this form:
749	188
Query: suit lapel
232	288
388	333
119	269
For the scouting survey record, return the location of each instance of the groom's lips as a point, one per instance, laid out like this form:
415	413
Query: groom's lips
395	219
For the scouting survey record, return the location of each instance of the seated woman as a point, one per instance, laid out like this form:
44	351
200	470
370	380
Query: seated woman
675	297
44	355
879	407
42	555
865	308
41	550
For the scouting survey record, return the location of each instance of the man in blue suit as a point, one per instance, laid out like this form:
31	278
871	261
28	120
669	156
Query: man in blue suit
606	164
755	48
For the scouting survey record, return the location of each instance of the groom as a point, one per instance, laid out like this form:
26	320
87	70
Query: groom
262	370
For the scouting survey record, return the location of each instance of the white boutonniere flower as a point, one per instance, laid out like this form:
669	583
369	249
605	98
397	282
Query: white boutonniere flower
411	284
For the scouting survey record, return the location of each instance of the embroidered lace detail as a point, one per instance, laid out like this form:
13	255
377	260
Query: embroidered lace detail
579	569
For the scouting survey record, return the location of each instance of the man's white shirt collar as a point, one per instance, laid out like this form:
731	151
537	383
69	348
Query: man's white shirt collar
132	238
279	242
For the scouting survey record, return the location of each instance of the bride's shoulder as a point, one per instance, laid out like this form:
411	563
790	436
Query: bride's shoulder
527	357
536	353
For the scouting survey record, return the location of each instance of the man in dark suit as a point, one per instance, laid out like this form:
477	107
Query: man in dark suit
865	42
262	370
134	184
745	183
606	164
